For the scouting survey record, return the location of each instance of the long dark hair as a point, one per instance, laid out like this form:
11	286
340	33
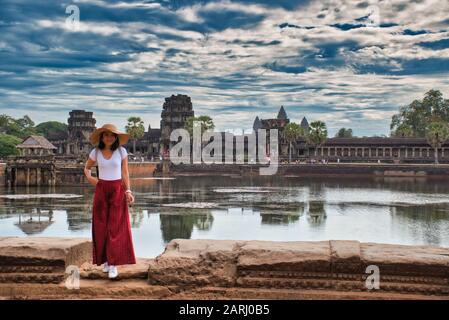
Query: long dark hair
114	146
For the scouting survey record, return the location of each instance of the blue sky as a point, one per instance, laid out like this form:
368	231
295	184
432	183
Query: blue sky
348	63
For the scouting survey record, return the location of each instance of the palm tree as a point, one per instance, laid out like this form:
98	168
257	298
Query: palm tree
317	134
205	122
135	129
437	133
292	132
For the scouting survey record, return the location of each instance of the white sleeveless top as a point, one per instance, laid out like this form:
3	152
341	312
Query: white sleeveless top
110	169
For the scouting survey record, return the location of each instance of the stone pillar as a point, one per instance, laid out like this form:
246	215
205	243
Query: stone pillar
38	176
15	176
413	152
28	177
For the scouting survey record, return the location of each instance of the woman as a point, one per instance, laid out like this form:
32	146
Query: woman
111	231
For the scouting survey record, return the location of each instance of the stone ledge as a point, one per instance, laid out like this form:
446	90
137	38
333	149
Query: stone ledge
35	268
41	260
326	265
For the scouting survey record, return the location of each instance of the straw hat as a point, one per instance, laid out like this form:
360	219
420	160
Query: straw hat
95	136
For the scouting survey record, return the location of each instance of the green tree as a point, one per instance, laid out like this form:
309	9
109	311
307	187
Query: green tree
21	127
8	145
420	113
317	134
8	125
205	122
344	133
49	128
292	132
5	120
436	134
135	129
403	130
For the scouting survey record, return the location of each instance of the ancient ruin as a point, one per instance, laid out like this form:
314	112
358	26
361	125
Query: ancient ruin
175	111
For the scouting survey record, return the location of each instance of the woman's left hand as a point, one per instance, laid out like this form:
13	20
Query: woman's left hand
129	198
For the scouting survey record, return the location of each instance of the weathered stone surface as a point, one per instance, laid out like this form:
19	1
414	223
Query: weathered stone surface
324	265
345	257
88	289
51	251
195	262
129	271
296	256
43	260
403	260
190	269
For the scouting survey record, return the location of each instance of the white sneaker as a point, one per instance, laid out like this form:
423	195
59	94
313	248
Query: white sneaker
113	272
105	267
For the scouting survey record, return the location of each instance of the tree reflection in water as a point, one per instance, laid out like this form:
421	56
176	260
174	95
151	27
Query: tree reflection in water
180	226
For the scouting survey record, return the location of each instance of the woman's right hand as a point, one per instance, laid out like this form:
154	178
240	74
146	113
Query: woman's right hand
92	180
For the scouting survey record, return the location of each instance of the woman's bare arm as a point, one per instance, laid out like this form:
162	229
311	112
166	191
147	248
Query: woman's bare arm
125	173
126	181
88	172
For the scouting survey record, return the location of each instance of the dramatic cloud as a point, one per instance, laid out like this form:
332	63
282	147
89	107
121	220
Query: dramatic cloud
348	63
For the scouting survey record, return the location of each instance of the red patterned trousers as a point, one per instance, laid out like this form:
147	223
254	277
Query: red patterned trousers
111	229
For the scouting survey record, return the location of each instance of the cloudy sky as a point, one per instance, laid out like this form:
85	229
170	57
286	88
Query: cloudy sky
348	63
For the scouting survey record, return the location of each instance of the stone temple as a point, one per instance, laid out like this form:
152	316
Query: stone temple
177	108
175	111
75	141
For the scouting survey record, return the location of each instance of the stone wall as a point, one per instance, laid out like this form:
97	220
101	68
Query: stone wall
141	169
66	173
347	169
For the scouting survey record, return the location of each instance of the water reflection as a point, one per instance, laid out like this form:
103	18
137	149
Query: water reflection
404	210
36	222
316	213
286	219
181	226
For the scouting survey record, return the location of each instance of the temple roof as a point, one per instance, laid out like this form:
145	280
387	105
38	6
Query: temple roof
274	123
304	123
36	142
152	133
257	124
282	115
